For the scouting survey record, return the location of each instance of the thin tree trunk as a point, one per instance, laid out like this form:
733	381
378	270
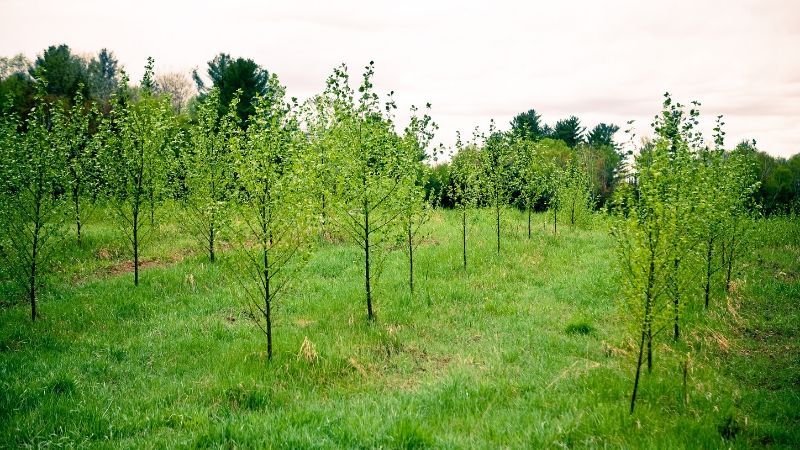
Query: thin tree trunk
135	246
464	235
645	326
572	214
638	372
410	259
555	221
370	314
76	201
211	236
676	303
34	258
497	220
324	214
529	222
267	302
152	209
649	347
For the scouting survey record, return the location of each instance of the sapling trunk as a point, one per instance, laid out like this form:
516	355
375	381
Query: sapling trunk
464	235
136	246
648	300
324	213
267	301
410	259
676	303
729	260
555	221
529	222
572	213
368	288
497	220
211	237
649	346
77	203
34	257
152	203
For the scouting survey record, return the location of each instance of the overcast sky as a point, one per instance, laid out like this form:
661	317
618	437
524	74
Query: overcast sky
604	61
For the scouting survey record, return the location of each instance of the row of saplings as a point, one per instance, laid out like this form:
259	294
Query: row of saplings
269	183
337	162
682	224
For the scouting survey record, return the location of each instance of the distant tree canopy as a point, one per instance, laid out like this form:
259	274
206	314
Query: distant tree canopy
103	76
779	188
602	135
230	75
65	72
569	130
528	125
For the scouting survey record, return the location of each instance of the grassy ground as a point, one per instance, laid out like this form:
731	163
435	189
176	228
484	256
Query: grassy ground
524	349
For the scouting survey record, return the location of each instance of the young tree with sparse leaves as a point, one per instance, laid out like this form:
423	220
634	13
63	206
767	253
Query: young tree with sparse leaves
33	178
465	185
208	163
275	214
137	137
370	173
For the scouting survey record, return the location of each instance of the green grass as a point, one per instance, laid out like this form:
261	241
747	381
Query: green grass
524	349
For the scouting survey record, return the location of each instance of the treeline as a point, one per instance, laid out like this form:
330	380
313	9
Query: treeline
96	77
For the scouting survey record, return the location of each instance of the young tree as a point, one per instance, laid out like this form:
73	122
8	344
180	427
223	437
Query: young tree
137	140
416	207
369	173
465	185
72	134
531	175
497	161
572	190
276	218
318	117
645	255
33	173
209	171
740	188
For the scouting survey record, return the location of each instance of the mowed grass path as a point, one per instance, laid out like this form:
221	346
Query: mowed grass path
525	349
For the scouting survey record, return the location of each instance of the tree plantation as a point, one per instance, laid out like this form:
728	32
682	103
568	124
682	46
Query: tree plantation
242	268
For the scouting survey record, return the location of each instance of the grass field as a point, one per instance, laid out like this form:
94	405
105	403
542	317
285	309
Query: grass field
524	349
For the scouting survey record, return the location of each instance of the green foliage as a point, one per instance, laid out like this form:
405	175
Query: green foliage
137	137
230	76
275	215
65	72
371	171
497	163
208	165
686	200
103	76
569	130
71	127
528	126
602	135
33	173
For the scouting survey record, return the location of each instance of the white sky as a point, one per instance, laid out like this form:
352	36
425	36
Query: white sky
607	61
